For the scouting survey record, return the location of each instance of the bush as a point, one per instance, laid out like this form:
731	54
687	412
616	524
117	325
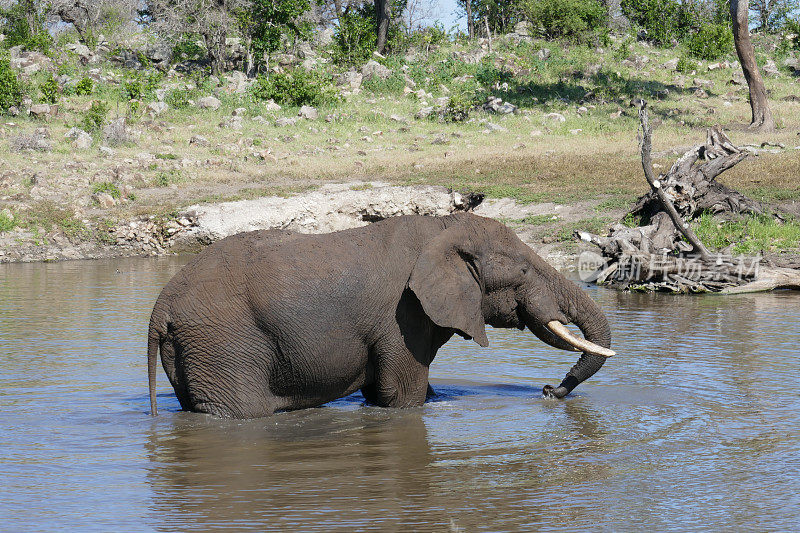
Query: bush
11	91
49	90
792	27
178	98
664	20
16	26
6	220
574	19
84	87
685	65
460	106
711	41
95	116
295	88
355	39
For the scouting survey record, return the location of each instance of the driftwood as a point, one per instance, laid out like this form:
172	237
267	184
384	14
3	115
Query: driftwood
664	254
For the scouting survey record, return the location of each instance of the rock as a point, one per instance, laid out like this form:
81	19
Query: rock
160	94
105	200
234	122
272	106
423	112
351	79
443	101
592	69
491	126
39	110
209	102
770	68
372	68
523	28
324	37
106	151
672	64
575	131
792	63
307	112
555	117
543	54
708	84
304	51
237	82
199	140
497	105
285	121
82	51
156	108
82	140
582	110
536	133
700	93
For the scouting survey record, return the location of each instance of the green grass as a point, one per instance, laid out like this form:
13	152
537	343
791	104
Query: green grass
749	235
107	187
166	156
539	220
596	225
167	178
45	216
6	222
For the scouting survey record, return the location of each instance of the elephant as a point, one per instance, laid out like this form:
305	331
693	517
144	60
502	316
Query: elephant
271	320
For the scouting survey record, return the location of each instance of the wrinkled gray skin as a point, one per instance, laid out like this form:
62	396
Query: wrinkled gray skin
270	320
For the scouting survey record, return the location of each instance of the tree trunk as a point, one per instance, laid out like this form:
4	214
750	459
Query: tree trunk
470	20
762	116
383	14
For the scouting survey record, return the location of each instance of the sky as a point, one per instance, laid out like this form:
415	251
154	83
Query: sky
446	13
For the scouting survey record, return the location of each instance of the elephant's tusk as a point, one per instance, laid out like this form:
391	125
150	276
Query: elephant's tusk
561	331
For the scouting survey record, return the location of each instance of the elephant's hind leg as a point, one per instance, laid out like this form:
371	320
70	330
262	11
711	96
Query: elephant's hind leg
400	379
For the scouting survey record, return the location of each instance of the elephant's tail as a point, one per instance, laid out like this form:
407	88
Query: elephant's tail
153	343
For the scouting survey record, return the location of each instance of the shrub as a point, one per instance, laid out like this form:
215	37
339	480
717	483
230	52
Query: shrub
17	22
295	88
49	90
574	19
11	91
178	98
6	221
84	87
187	49
460	106
664	20
792	27
34	141
355	37
711	41
95	116
685	65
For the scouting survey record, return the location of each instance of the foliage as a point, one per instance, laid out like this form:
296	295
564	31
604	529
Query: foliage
11	89
141	86
711	41
187	49
574	19
266	22
500	15
84	87
685	65
23	24
295	88
430	36
106	187
664	20
355	38
49	90
460	106
6	221
179	98
95	116
792	27
164	179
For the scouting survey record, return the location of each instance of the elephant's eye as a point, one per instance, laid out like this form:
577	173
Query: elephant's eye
524	270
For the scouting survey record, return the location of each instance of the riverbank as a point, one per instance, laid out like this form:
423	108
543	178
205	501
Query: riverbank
553	148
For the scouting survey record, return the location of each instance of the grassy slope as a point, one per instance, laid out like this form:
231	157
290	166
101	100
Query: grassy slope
598	164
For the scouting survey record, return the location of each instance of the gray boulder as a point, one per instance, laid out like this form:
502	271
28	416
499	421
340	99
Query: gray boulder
372	68
209	102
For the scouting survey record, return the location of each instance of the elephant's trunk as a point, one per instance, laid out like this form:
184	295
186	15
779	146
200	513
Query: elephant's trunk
581	310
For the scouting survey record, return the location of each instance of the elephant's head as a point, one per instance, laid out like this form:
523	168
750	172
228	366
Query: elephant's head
477	272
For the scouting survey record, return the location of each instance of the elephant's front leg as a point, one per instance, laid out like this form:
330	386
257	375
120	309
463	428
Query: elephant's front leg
400	379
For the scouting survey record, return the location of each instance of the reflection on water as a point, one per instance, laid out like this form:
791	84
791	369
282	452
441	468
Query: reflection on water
693	426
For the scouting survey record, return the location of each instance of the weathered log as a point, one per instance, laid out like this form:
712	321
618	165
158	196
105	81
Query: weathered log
657	189
654	257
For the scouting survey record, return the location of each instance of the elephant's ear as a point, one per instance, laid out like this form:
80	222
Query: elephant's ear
447	283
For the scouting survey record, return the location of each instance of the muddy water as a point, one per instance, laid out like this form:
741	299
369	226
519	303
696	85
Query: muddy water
694	426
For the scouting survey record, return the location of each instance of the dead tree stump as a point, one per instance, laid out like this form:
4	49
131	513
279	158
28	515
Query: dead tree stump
664	254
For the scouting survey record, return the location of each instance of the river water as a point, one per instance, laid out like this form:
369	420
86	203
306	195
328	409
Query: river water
693	426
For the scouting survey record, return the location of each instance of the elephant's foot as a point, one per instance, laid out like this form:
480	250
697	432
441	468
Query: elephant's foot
548	391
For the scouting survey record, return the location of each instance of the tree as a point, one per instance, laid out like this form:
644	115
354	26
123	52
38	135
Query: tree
383	16
88	16
772	14
761	114
263	23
